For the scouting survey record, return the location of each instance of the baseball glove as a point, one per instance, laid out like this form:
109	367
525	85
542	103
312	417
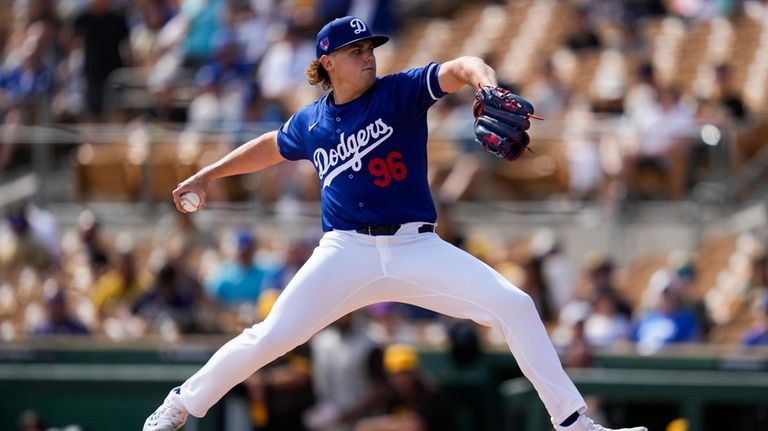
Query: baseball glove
501	121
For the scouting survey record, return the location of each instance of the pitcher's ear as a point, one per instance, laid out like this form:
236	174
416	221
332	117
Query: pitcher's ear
325	60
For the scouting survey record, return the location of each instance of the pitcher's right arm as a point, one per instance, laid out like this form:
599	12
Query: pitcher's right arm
254	155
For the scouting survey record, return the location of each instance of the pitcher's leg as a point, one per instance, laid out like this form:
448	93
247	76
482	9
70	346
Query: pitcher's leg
321	292
463	286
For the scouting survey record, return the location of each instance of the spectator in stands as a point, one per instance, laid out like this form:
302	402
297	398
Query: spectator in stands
591	164
605	325
105	37
224	83
168	303
348	376
214	109
281	392
42	224
578	353
414	403
600	278
200	20
24	89
89	229
145	46
297	251
556	271
58	318
685	279
726	94
119	287
582	36
537	286
180	254
281	71
242	279
19	247
548	93
661	142
228	61
252	27
667	323
757	334
724	108
68	102
643	91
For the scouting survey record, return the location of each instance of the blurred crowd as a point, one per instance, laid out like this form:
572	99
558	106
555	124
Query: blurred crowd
634	129
174	280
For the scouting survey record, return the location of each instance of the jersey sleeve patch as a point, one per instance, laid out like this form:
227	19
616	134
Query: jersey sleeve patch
290	140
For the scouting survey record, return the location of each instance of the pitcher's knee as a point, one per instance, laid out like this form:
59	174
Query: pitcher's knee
272	338
518	302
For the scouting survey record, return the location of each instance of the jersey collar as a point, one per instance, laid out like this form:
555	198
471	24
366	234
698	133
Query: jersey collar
331	106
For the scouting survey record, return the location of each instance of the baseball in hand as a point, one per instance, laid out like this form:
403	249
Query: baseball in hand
190	202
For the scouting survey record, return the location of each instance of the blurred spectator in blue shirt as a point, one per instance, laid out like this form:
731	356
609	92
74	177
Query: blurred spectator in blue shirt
252	26
241	280
29	79
23	89
668	323
224	83
58	320
19	247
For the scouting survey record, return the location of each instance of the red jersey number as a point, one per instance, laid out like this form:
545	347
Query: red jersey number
385	170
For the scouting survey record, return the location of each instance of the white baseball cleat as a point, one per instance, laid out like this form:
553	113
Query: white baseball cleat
170	416
584	423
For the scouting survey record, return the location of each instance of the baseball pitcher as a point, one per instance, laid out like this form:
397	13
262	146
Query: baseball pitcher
367	139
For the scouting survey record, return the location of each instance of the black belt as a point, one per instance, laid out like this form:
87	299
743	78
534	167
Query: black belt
390	229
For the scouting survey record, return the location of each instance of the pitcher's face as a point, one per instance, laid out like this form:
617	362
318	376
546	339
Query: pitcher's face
353	65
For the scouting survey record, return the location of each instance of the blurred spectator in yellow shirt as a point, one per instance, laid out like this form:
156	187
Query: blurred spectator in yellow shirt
119	287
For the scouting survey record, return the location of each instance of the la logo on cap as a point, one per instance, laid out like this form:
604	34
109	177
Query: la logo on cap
358	25
342	32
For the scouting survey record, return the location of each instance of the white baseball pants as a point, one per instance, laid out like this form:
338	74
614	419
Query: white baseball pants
349	270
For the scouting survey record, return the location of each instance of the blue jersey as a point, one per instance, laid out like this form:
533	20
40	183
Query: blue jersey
370	153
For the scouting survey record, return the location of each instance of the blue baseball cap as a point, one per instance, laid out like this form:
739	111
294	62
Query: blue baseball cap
343	31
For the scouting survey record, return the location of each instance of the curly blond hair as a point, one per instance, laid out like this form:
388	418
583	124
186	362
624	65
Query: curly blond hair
317	74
